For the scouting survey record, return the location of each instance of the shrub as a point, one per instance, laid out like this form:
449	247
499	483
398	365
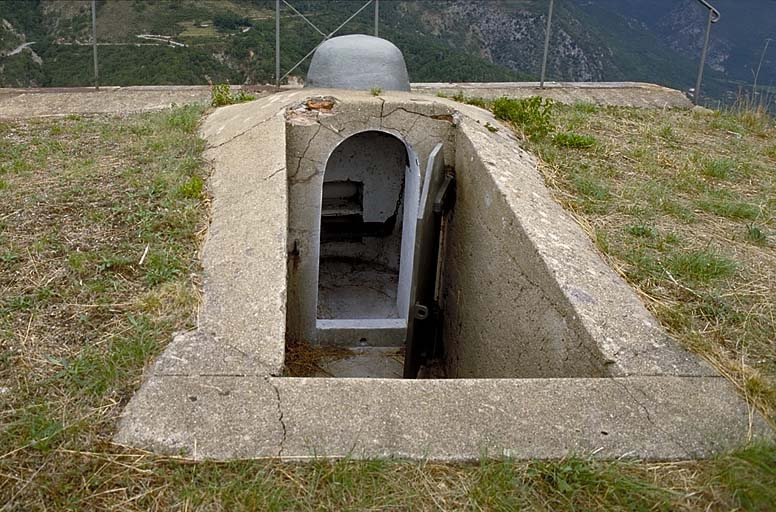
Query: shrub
221	94
532	115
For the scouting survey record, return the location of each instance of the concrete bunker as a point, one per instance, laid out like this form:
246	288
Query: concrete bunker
415	232
529	312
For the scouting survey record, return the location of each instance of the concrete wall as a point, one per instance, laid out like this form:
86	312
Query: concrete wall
503	314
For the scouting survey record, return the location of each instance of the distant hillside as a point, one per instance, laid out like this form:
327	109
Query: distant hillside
196	41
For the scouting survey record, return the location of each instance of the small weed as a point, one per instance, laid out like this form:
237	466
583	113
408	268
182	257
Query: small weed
755	234
9	257
751	472
678	210
221	94
162	267
756	121
77	261
573	140
533	116
36	428
576	480
641	231
719	168
491	128
667	133
375	91
184	119
470	100
192	188
478	102
586	108
700	266
590	187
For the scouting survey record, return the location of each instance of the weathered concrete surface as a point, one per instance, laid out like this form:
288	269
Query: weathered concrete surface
623	94
244	255
211	395
525	292
358	62
22	103
443	420
205	417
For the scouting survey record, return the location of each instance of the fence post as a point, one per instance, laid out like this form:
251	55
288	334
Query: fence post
546	43
94	46
377	18
703	59
277	44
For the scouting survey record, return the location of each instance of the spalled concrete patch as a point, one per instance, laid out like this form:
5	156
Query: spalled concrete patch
526	295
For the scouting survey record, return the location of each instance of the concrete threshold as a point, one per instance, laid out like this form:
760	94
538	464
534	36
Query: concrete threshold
656	418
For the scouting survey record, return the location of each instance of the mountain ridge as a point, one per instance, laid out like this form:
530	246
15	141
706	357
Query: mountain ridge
443	40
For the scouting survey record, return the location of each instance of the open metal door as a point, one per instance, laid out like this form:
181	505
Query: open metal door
421	325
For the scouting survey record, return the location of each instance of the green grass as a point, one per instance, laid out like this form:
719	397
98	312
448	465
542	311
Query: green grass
700	266
222	94
573	140
720	169
728	205
81	317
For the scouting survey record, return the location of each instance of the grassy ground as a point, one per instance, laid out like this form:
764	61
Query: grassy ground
100	221
683	205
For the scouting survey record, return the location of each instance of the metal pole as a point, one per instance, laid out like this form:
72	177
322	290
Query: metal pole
703	59
94	46
547	43
759	66
377	18
277	43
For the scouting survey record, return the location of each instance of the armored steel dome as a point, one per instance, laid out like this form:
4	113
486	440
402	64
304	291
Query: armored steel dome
358	62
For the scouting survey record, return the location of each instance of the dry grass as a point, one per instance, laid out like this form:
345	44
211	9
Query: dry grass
80	317
305	360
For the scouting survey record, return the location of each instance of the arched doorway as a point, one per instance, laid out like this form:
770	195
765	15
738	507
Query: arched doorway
367	226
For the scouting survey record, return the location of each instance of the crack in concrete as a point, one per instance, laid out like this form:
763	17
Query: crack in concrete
446	117
382	109
309	178
647	413
241	133
280	415
331	129
306	149
273	174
